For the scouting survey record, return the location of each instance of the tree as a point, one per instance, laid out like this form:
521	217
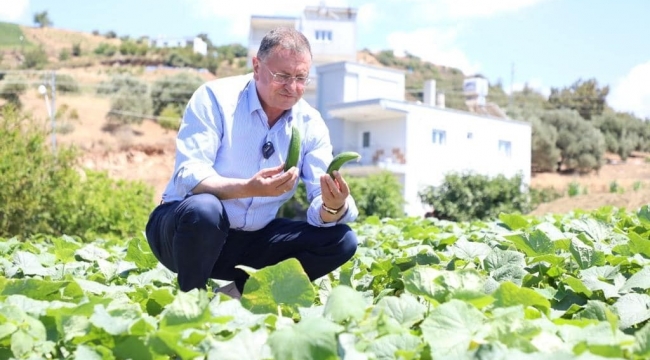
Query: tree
623	132
586	97
581	144
176	90
42	19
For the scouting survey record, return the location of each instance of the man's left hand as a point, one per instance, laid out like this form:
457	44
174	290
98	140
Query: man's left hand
334	191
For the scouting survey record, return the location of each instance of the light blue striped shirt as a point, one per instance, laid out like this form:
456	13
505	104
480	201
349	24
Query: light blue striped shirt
222	132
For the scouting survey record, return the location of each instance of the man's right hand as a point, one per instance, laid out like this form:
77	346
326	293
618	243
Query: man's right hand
273	181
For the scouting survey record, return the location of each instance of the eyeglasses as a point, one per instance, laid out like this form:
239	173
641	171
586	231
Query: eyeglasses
285	79
267	149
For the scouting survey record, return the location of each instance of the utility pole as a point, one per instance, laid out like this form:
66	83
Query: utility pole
50	107
512	81
53	110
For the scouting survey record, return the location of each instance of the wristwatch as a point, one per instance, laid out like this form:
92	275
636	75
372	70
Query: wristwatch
332	211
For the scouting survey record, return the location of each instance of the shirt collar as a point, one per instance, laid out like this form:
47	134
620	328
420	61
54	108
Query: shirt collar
253	100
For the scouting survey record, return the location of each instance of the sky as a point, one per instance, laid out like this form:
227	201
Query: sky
542	43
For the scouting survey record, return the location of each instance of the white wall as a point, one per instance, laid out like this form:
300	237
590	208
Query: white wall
346	82
429	162
342	47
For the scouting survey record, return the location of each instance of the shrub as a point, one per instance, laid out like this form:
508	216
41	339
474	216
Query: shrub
64	55
35	58
174	90
13	87
128	108
76	49
378	194
45	193
170	117
468	196
64	83
543	195
574	189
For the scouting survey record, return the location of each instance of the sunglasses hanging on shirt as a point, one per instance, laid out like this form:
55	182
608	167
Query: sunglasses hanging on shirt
267	149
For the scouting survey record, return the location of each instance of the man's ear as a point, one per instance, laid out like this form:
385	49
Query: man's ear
256	65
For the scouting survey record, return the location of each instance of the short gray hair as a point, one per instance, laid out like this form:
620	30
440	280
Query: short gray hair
284	38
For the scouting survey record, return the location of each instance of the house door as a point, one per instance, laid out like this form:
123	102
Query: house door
366	150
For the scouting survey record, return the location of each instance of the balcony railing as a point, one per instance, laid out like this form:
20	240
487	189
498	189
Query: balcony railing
391	158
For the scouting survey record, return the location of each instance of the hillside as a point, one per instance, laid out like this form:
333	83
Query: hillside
145	151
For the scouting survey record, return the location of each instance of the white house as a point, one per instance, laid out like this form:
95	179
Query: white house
365	110
198	45
331	31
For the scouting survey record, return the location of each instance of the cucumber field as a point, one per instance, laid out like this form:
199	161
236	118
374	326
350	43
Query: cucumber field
571	286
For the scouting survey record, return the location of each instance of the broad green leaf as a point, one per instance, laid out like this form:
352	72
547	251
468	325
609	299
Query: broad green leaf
64	248
7	329
513	221
596	230
348	348
187	310
405	309
599	310
158	275
640	280
91	253
420	280
577	286
245	345
511	272
639	245
586	256
169	342
312	338
345	304
606	278
641	347
533	244
42	289
284	283
94	287
29	264
452	327
551	231
86	352
632	309
499	258
644	215
386	347
114	325
139	252
509	294
469	250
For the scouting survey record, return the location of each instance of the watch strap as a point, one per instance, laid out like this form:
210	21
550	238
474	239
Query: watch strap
332	211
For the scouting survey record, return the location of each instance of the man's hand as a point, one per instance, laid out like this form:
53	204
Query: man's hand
273	181
334	192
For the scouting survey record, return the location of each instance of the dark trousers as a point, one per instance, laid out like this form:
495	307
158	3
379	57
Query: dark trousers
193	238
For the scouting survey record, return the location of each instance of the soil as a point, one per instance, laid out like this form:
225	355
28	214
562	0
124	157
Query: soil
146	152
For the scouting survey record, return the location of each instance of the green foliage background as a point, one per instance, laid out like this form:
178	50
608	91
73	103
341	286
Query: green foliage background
42	192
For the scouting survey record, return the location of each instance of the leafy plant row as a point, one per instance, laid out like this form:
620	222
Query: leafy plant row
555	287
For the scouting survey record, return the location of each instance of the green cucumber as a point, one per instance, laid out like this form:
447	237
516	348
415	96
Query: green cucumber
341	159
293	152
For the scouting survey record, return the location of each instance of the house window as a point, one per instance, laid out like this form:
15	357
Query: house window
439	137
323	35
366	139
505	148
